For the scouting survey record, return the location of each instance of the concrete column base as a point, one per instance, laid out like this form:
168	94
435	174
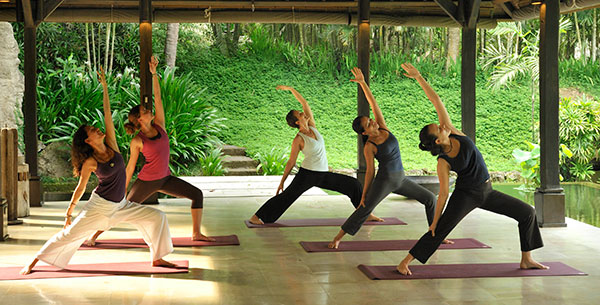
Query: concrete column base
550	208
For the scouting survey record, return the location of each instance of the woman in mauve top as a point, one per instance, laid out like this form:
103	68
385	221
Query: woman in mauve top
152	141
95	152
473	189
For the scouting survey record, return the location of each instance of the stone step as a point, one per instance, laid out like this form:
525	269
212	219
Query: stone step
232	150
231	162
243	171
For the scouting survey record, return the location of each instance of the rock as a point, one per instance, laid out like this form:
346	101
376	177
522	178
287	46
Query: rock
11	79
55	160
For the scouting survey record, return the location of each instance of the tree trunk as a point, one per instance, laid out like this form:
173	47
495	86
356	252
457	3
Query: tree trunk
107	47
453	46
87	46
594	35
94	48
112	48
171	44
581	54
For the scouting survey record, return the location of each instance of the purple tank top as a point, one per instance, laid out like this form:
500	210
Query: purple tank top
111	179
156	152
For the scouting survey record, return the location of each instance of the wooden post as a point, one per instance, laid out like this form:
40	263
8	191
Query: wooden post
469	10
145	53
9	172
30	115
363	51
549	197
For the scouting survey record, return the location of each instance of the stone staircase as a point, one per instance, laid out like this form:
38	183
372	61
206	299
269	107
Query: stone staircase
237	163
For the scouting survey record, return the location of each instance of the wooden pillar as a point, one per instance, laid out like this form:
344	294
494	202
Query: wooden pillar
469	12
145	53
30	115
549	197
363	49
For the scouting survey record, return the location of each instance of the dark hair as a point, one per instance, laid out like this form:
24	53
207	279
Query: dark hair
292	119
358	128
428	142
133	125
80	150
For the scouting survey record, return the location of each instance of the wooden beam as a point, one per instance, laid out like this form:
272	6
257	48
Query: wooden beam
49	7
450	8
27	13
473	13
507	8
363	50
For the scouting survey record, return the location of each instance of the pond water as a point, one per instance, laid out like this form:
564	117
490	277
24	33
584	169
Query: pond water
582	200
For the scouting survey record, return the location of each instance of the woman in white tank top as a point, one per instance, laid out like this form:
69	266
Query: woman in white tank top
314	170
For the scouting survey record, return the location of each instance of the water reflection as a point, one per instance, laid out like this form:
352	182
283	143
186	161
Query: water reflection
582	200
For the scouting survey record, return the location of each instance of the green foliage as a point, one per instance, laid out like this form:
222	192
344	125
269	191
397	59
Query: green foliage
211	163
529	161
272	162
69	97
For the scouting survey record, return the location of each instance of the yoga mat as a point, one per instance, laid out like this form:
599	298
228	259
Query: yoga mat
87	270
466	271
386	245
322	222
229	240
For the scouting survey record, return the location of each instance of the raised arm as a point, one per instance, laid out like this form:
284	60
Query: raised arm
297	145
443	116
359	78
159	111
111	137
305	107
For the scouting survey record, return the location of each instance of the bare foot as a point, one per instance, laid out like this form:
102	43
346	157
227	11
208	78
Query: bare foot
531	264
334	244
201	237
447	242
403	268
90	242
162	263
255	220
27	269
375	218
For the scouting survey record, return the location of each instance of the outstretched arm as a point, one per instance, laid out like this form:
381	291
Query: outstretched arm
159	114
111	137
443	171
297	145
305	107
369	152
134	151
359	78
443	116
86	171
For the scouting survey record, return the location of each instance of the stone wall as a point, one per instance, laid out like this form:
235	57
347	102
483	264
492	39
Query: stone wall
11	79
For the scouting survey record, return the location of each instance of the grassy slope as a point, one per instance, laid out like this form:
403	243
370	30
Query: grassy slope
243	89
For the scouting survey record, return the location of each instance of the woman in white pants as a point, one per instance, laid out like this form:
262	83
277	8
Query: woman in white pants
94	151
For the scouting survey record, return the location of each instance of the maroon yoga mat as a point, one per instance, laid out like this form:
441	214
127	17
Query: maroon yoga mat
87	270
466	271
386	245
322	222
229	240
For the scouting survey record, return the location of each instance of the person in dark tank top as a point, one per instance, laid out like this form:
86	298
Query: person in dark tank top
93	151
380	144
456	152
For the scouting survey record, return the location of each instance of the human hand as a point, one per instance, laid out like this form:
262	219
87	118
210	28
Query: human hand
153	64
279	189
432	228
411	71
101	76
358	76
68	221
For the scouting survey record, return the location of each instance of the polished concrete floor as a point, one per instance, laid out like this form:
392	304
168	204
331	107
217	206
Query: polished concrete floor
270	267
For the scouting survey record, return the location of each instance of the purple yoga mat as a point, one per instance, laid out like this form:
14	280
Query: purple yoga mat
229	240
88	270
386	245
322	222
466	271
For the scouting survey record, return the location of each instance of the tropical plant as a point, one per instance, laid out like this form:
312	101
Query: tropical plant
211	163
529	161
272	162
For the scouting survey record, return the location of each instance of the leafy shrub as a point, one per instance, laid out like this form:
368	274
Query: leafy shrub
69	97
272	163
529	161
211	163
